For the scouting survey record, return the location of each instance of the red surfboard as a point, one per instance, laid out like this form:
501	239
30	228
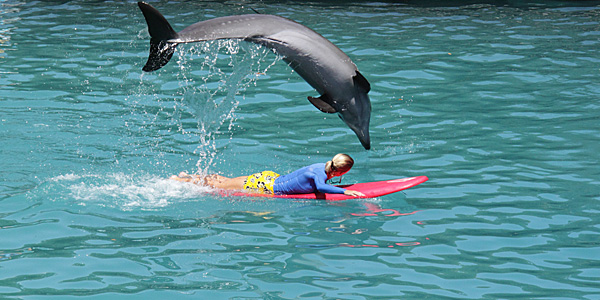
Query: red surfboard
370	189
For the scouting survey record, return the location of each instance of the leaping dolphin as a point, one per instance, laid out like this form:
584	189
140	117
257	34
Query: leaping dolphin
324	66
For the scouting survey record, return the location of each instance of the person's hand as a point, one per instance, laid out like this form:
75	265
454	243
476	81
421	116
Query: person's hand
353	193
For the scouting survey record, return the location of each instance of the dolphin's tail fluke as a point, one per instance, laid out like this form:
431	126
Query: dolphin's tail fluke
161	50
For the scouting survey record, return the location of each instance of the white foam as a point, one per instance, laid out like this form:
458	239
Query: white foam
129	191
67	177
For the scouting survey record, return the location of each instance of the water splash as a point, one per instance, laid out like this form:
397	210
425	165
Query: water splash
125	191
212	87
176	116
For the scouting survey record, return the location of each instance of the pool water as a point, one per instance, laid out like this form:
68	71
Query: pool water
498	104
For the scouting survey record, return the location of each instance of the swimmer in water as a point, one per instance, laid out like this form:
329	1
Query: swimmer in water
309	179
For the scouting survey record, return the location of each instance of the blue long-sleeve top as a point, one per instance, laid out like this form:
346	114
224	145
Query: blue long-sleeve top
309	179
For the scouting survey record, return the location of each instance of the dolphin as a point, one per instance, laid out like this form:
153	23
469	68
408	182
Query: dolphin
343	90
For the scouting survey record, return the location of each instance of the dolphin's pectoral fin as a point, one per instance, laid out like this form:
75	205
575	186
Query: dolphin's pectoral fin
361	82
322	104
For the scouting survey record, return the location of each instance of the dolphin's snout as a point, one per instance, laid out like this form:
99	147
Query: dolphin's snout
362	133
365	140
358	120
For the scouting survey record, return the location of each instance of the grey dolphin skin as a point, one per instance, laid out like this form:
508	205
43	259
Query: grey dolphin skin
324	66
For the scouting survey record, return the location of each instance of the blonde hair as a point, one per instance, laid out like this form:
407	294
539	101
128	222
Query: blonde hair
340	162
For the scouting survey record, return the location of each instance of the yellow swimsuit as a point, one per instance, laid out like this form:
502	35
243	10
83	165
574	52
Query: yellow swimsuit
261	183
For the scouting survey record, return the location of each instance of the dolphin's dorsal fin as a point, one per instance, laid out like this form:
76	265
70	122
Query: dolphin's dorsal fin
322	103
361	82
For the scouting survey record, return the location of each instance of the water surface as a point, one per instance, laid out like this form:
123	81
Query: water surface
496	104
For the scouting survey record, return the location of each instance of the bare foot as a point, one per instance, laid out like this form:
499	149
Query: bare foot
185	177
182	177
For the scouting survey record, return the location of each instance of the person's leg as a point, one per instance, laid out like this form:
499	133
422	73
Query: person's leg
213	180
221	182
210	179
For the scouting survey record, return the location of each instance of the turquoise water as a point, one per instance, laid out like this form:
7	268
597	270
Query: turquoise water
497	105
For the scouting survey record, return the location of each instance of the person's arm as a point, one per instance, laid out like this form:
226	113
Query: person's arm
330	189
318	181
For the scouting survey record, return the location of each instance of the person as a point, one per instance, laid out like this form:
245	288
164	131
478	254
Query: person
309	179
